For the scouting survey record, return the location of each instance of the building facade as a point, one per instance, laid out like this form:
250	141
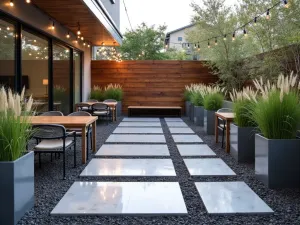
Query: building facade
46	48
176	38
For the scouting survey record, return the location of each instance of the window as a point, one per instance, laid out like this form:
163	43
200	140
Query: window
7	54
179	38
35	69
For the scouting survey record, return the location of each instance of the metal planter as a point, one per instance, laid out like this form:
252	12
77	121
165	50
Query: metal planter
242	143
209	121
277	162
16	189
119	108
187	108
192	112
199	115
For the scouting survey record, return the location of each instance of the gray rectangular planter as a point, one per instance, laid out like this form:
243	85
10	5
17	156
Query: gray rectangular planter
242	140
16	189
119	108
199	115
192	112
209	122
187	108
277	162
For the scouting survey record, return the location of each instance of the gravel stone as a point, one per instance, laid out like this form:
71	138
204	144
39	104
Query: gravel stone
50	188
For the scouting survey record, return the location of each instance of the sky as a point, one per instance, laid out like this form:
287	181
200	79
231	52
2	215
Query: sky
173	13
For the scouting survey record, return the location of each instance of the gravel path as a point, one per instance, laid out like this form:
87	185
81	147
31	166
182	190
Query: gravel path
50	188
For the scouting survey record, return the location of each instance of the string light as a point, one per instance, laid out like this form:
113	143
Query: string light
255	21
7	28
245	33
233	36
195	46
11	3
208	44
28	1
53	26
198	47
216	41
188	46
286	4
89	45
84	43
68	35
225	37
82	38
268	14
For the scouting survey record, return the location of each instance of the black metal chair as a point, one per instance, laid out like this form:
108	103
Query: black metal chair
52	113
84	107
54	139
78	131
110	110
222	123
100	109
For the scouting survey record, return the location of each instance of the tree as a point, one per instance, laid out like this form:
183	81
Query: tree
144	43
174	54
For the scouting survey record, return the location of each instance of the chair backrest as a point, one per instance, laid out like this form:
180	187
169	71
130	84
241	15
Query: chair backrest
92	100
52	113
110	100
99	107
49	131
224	110
80	113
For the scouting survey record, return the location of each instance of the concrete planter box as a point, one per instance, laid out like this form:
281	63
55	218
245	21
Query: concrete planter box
242	143
16	189
119	108
277	162
192	112
209	122
227	104
199	115
187	108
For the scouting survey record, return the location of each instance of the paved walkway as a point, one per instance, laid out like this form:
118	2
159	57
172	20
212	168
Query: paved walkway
139	149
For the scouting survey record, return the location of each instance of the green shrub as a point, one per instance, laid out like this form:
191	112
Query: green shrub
213	101
277	115
241	109
197	99
97	93
113	91
187	95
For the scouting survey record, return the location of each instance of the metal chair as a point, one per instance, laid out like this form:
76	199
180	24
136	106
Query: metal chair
52	113
54	139
92	100
100	109
85	107
110	111
78	131
222	123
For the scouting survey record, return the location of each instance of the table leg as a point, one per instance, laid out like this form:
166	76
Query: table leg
216	129
227	136
94	136
83	150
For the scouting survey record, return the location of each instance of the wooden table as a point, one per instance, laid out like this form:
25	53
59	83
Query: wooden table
228	117
71	122
112	105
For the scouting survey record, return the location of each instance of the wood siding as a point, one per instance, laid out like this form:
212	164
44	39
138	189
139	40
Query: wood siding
151	83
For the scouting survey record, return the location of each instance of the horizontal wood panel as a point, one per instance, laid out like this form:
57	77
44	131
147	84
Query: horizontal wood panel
151	82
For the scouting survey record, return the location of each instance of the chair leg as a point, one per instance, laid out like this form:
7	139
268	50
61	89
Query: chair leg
40	164
75	155
64	166
87	145
223	134
51	157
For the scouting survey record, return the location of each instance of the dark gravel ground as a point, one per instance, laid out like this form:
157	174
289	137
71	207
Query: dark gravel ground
50	188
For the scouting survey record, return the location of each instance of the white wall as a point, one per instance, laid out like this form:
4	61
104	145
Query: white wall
113	10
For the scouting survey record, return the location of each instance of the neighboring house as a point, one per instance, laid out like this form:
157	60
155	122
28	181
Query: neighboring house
113	9
175	38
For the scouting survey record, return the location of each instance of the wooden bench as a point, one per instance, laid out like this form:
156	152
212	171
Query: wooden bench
154	111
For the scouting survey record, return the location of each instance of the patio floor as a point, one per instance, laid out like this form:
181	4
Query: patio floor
123	186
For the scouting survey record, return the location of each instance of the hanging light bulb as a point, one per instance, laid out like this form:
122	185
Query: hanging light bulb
225	37
28	1
268	14
11	3
7	28
255	21
78	31
68	35
82	38
208	45
195	46
84	43
53	26
188	45
233	36
286	4
245	32
76	41
198	47
216	41
166	46
89	45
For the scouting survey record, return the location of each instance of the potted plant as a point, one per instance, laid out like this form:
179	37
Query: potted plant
212	102
97	93
197	100
277	151
16	165
187	98
114	91
242	131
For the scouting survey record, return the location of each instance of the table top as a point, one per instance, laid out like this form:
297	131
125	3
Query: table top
92	103
67	121
225	115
